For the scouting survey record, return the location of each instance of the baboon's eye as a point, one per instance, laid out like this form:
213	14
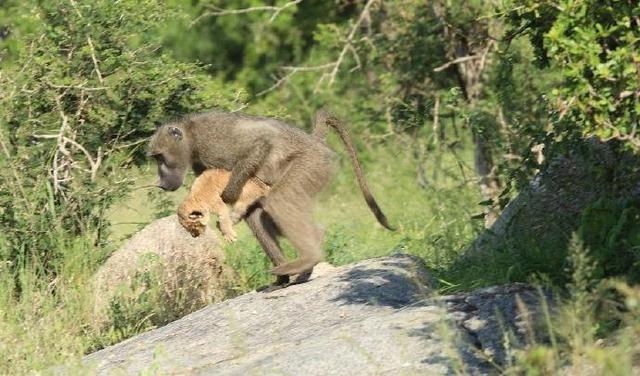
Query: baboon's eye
176	133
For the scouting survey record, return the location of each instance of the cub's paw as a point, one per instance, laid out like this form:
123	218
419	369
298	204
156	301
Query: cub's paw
230	236
235	216
228	233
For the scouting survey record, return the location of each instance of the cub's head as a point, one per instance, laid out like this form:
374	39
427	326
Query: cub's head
194	222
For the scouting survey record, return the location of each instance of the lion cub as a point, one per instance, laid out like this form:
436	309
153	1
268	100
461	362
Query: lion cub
204	198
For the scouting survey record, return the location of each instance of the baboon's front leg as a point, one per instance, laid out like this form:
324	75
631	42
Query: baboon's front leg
244	169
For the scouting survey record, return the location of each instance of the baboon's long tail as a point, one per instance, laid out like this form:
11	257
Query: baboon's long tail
325	119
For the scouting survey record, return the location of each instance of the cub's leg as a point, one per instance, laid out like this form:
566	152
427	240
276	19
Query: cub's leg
224	220
251	192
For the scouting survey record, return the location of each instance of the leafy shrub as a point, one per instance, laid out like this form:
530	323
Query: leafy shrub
594	45
89	82
611	233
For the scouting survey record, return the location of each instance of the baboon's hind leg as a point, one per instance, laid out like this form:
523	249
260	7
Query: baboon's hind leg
304	276
266	232
293	218
290	205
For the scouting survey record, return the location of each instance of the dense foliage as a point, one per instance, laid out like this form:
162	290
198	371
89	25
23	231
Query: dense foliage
88	82
594	44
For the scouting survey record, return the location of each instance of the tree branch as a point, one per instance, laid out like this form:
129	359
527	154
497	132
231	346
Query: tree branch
364	14
334	66
293	70
456	61
90	43
216	12
14	171
95	60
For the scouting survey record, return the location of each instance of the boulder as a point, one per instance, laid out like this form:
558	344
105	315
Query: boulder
545	213
501	318
378	316
188	272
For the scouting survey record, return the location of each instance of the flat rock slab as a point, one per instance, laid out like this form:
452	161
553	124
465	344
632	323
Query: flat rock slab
373	317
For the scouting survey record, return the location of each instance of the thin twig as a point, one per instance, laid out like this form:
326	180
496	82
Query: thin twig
14	171
78	87
456	61
436	120
291	71
134	143
354	53
352	33
226	12
90	43
61	147
333	66
93	162
95	60
485	54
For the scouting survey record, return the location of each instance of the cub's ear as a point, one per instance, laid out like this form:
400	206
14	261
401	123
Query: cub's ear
175	132
195	215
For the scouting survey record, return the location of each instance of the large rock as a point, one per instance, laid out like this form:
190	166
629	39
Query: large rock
189	272
550	208
375	317
501	316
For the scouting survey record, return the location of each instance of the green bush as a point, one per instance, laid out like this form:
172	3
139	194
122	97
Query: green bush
610	231
594	45
87	85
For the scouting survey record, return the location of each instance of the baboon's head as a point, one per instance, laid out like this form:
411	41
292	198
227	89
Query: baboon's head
171	149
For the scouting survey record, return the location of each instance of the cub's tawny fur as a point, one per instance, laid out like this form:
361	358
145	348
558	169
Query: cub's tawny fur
204	198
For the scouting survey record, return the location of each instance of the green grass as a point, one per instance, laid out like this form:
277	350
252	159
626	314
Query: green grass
592	330
48	322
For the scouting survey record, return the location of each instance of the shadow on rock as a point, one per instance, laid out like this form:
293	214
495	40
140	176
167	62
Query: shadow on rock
481	323
388	283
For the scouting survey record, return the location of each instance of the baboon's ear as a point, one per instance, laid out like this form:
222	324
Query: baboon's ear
175	132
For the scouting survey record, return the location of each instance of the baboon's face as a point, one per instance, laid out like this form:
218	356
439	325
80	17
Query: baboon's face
170	177
171	152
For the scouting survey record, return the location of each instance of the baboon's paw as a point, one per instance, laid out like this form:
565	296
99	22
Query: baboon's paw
294	267
303	277
271	288
281	282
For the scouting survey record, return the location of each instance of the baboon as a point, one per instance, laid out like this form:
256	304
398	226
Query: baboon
204	198
295	164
